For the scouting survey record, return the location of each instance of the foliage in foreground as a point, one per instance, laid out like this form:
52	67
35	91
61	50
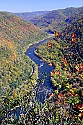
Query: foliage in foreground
66	54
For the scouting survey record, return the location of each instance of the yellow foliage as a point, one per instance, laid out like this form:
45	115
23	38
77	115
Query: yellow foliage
68	85
14	94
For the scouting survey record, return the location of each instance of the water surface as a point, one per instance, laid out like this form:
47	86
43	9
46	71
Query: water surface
46	87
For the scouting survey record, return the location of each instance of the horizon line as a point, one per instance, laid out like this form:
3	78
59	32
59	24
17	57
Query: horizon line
39	10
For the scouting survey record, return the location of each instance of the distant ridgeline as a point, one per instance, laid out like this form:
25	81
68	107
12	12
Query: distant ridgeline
15	35
52	20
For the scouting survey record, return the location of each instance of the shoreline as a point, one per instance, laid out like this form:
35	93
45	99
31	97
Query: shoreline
31	81
27	47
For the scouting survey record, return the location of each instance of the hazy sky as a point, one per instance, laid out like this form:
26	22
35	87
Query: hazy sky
36	5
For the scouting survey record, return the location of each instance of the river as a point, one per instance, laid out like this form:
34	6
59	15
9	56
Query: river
46	87
42	89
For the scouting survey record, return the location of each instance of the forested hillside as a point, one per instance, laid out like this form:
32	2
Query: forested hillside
56	19
30	15
16	35
65	52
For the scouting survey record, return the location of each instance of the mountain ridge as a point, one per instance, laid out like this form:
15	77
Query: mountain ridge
55	19
15	67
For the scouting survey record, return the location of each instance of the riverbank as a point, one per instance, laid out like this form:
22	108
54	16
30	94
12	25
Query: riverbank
25	89
67	77
35	74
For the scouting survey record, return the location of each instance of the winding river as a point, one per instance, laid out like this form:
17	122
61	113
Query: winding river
43	88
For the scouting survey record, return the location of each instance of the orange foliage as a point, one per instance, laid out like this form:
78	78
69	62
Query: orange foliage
73	35
57	72
50	45
64	61
70	94
52	73
73	39
79	67
50	64
51	94
57	34
80	106
60	95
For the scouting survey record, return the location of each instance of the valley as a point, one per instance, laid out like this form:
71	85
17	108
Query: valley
41	74
55	20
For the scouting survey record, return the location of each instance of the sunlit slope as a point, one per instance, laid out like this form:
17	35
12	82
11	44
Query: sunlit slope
66	53
56	19
15	35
